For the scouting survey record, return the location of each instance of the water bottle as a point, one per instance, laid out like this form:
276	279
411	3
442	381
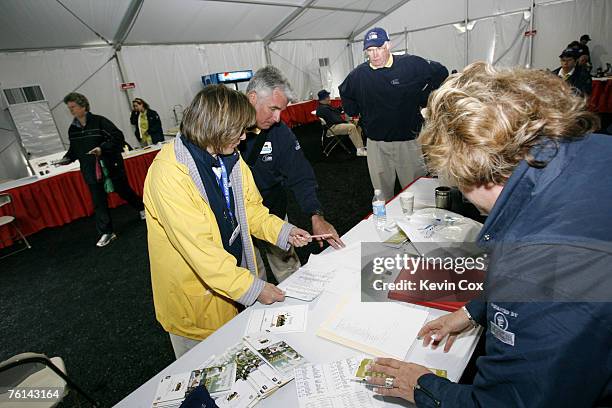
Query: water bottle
379	209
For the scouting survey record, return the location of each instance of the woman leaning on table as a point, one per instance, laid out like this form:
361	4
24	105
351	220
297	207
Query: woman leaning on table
519	144
202	207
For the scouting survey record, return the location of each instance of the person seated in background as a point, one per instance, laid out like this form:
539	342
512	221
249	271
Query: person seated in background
147	125
202	207
95	141
572	73
334	119
520	147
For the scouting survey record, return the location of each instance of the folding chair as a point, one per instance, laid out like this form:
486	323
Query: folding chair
327	133
39	374
7	199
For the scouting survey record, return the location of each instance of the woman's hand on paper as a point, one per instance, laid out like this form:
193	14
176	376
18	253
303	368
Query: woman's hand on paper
405	377
449	325
270	294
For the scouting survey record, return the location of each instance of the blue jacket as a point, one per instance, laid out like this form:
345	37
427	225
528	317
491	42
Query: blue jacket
281	165
389	99
544	353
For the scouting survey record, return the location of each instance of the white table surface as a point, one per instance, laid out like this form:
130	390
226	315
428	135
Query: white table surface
315	349
74	166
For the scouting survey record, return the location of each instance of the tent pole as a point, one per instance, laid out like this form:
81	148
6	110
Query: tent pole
349	46
126	92
531	23
467	34
266	45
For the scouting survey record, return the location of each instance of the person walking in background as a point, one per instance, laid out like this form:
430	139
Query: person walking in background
147	125
202	207
388	92
97	144
337	124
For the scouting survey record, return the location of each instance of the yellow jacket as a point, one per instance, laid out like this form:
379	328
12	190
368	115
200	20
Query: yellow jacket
195	281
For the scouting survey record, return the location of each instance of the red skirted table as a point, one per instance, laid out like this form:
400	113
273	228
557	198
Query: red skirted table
601	95
300	113
63	198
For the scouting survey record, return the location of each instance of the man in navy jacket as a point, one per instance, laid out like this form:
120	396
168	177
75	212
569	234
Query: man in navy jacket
388	92
547	313
278	164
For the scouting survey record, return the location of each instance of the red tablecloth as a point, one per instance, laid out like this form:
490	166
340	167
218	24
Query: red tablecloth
60	199
300	113
601	96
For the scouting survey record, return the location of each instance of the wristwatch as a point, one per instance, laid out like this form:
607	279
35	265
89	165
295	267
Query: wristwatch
469	316
317	212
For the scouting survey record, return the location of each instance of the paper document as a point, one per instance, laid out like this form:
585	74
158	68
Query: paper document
386	329
306	283
332	385
284	319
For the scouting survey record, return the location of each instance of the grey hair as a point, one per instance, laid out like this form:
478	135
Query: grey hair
77	98
267	79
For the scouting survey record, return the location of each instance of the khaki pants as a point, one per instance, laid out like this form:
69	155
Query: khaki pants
181	344
282	263
351	130
386	159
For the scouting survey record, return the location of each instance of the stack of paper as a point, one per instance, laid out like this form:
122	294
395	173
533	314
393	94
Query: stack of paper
243	375
306	283
385	329
173	389
333	385
283	319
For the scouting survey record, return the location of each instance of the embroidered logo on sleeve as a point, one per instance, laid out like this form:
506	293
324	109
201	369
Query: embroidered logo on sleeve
500	325
267	148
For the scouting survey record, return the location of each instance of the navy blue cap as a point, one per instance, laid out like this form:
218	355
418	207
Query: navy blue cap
570	53
375	37
323	94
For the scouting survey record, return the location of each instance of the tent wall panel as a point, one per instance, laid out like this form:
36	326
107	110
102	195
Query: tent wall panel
560	23
169	75
500	40
62	71
299	60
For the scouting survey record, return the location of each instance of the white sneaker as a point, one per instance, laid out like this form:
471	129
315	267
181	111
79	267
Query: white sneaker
143	215
362	151
106	239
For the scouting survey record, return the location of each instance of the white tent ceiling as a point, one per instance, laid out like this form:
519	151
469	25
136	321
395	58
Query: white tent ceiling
42	24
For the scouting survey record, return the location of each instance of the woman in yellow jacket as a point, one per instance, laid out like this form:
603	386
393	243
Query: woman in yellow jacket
202	206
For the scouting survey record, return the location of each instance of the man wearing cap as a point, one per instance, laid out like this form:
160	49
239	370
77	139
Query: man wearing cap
388	93
333	118
573	73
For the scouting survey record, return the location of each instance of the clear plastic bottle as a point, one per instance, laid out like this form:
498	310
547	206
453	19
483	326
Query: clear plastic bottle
379	209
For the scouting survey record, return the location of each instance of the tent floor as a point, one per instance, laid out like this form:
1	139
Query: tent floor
94	308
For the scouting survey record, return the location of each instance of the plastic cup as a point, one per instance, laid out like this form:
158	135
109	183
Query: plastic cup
407	202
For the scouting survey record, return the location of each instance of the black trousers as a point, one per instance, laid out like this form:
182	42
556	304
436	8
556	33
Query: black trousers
104	223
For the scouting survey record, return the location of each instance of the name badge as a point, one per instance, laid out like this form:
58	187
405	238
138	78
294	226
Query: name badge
234	234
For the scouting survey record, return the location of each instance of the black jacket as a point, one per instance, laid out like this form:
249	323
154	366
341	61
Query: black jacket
331	115
98	132
580	80
155	126
279	165
389	100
